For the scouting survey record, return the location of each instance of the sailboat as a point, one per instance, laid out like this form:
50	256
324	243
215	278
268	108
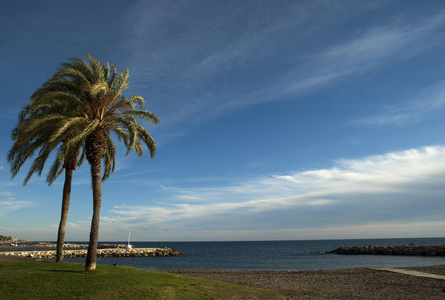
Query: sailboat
129	246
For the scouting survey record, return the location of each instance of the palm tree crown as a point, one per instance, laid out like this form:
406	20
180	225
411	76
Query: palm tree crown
81	105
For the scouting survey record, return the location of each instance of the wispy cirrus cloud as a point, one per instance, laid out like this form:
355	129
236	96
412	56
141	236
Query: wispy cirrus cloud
395	188
199	62
9	203
369	50
409	112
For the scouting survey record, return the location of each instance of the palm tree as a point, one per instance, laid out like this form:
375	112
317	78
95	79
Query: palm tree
26	143
100	108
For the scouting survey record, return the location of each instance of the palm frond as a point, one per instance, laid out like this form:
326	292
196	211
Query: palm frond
81	136
65	125
137	99
143	114
130	127
109	159
148	140
74	73
81	158
38	164
56	167
17	155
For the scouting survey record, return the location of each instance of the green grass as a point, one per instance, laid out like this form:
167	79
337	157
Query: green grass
48	280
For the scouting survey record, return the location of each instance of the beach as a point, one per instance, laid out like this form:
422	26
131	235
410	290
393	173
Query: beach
360	283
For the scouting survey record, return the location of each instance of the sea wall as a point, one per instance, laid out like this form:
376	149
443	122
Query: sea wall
75	246
419	250
114	252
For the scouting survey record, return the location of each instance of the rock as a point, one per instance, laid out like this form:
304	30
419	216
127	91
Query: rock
113	252
420	250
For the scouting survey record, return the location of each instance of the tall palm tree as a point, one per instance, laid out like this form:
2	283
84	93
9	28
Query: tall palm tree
26	143
100	108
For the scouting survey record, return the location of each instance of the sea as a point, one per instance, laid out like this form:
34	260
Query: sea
271	255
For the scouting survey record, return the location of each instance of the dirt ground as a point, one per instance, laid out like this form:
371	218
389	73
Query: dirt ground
358	283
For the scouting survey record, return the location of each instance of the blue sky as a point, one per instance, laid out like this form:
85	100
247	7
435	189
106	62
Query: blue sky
279	119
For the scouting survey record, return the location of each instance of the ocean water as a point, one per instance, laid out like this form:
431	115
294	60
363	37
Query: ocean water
272	255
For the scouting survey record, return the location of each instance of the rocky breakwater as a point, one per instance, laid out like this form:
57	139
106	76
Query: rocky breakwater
419	250
74	246
114	252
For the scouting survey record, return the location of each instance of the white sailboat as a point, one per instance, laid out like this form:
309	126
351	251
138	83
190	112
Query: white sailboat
129	246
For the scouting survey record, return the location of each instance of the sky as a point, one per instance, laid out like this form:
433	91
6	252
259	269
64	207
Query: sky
279	120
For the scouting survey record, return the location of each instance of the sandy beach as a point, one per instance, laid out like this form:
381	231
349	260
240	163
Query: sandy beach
361	283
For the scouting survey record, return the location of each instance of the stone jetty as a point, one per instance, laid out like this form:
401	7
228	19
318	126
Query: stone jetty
419	250
110	252
73	246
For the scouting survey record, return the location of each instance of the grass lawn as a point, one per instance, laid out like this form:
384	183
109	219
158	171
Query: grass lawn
49	280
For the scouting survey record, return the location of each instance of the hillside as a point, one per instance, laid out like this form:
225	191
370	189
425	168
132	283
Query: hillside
8	239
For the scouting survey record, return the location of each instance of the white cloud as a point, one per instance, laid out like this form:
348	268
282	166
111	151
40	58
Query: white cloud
9	203
395	188
7	195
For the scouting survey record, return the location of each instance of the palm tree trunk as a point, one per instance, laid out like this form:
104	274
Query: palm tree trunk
64	214
94	232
